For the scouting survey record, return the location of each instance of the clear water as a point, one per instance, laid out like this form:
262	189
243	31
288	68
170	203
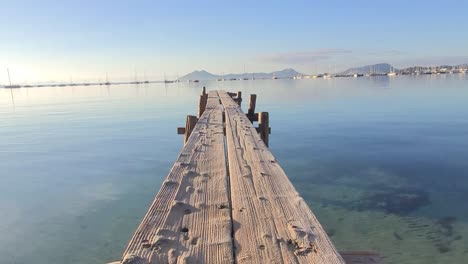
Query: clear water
383	162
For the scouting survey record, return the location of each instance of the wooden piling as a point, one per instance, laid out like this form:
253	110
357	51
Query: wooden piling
189	125
181	130
202	102
263	126
239	98
201	105
251	109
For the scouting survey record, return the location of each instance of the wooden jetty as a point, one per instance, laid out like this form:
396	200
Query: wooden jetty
227	199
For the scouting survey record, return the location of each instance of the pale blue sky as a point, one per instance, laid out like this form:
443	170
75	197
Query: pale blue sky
53	40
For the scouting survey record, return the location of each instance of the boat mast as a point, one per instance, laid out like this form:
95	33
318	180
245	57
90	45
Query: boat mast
9	80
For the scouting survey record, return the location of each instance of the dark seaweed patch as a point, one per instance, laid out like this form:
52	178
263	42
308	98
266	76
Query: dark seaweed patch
397	236
330	232
399	201
443	247
446	225
442	234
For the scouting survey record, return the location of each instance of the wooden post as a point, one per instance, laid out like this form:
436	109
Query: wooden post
189	125
202	102
239	98
201	105
251	110
263	125
180	130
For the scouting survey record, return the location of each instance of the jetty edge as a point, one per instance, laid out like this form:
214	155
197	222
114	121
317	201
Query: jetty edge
227	199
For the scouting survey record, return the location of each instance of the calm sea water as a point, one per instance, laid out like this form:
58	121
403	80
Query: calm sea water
383	162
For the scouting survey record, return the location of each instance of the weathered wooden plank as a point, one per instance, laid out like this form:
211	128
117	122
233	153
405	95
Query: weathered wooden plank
272	222
189	220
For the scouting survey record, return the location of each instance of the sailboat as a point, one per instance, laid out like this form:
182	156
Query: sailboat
244	75
462	70
221	79
391	73
71	82
11	86
135	78
107	80
369	73
166	80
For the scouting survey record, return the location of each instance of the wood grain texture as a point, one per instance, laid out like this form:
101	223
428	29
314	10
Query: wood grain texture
272	222
190	220
239	209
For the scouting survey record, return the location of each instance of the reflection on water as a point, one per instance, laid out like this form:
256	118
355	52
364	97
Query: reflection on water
381	161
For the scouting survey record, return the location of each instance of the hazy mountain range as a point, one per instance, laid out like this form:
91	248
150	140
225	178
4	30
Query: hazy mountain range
204	75
380	68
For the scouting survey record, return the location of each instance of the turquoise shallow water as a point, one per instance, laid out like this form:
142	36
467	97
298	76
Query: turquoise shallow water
383	162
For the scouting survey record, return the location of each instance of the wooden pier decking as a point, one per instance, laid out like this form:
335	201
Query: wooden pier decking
227	200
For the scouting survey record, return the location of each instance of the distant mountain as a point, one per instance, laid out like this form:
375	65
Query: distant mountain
376	68
286	73
199	75
381	68
204	75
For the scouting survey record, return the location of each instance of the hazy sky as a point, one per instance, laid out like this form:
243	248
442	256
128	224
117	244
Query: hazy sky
53	40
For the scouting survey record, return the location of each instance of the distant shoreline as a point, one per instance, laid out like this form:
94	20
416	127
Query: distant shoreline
319	76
